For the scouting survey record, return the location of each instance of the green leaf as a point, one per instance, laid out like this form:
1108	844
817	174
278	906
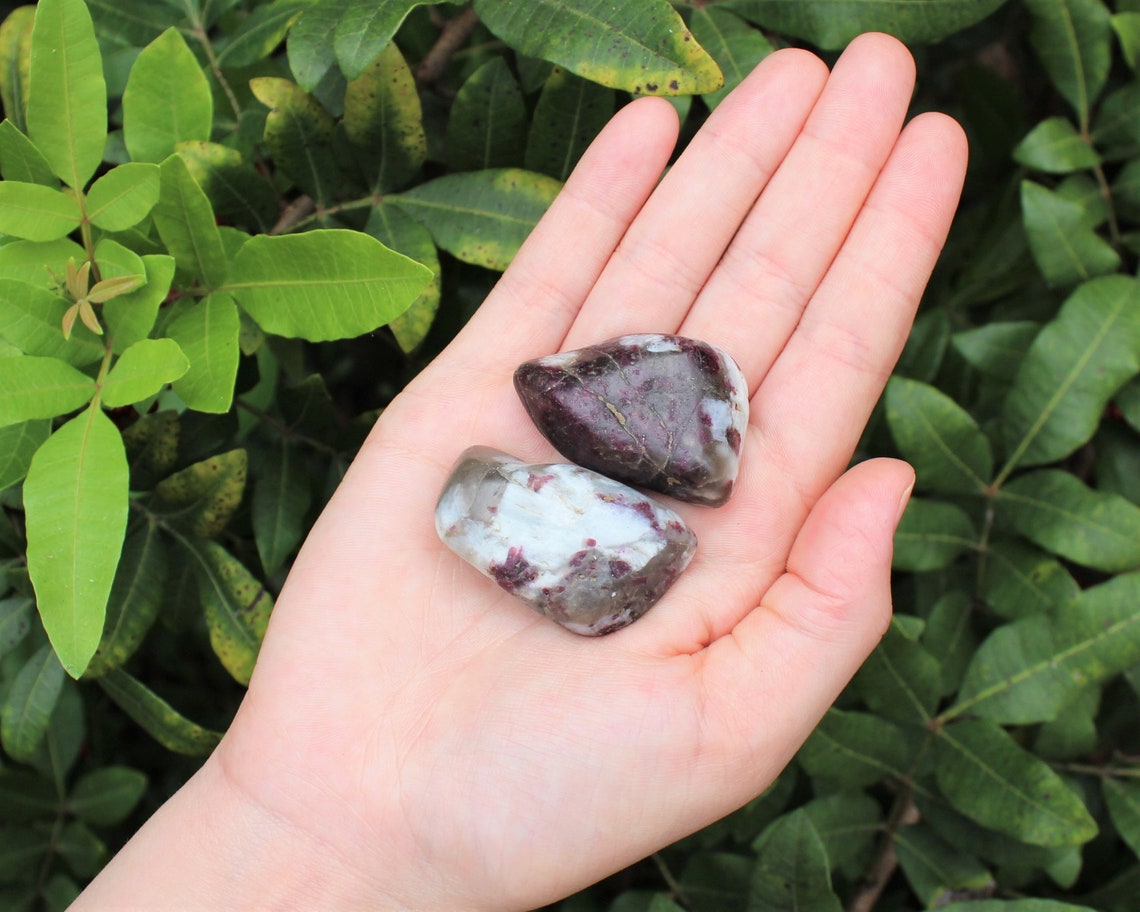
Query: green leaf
187	226
855	749
299	135
20	160
365	29
402	233
207	333
115	260
1122	799
322	285
641	46
152	447
831	24
936	870
1071	370
849	824
996	349
26	797
42	264
1066	249
281	498
1030	670
1116	128
1128	401
18	443
65	735
28	706
67	97
990	779
36	212
261	32
168	727
15	58
792	871
31	319
32	387
570	112
1073	732
82	850
1017	580
130	318
1056	146
15	622
237	192
487	126
167	100
1073	39
1127	28
949	637
142	370
105	796
136	596
134	23
900	680
931	535
383	118
202	498
124	196
481	217
1054	509
735	46
310	41
237	608
75	498
939	438
60	892
1013	905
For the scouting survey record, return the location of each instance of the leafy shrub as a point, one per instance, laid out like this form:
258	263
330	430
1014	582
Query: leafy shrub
214	214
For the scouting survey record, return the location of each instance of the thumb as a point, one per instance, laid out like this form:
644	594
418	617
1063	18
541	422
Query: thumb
836	584
786	662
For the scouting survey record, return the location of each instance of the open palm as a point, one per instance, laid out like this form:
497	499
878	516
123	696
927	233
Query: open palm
429	742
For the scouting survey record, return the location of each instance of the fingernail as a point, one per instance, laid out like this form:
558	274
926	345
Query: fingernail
904	499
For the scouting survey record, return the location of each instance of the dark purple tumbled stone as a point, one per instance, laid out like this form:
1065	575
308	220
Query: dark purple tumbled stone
664	412
584	550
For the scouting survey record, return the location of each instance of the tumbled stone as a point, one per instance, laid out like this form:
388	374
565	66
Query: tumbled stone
584	550
663	412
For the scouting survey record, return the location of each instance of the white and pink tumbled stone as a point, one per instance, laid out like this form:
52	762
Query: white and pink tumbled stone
662	412
584	550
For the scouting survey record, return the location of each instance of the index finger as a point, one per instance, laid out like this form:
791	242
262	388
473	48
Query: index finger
539	296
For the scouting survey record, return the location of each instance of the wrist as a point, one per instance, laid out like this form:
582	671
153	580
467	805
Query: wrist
212	846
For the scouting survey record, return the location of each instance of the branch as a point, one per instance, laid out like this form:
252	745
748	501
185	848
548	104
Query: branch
883	867
454	32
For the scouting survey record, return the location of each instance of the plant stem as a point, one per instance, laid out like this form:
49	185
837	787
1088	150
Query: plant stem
675	888
454	32
284	430
198	31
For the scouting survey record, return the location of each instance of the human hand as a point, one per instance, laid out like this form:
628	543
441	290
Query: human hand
415	738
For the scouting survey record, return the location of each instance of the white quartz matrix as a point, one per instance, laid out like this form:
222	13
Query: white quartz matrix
589	552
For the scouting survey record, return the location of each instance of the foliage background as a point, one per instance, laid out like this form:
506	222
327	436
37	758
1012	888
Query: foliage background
988	754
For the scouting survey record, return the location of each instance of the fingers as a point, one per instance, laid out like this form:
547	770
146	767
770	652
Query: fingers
753	301
539	296
771	679
677	239
817	396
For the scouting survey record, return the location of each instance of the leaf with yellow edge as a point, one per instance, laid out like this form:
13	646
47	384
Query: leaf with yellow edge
202	497
237	607
15	56
641	46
